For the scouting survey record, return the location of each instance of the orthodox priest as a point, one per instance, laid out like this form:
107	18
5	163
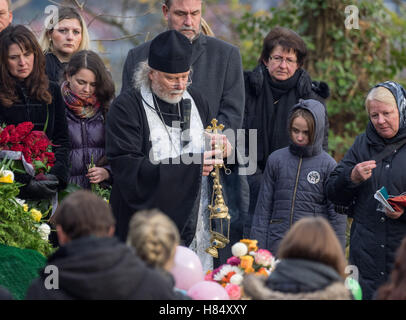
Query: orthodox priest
155	143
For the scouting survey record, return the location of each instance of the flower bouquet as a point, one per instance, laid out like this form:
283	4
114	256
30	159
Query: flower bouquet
247	258
20	226
28	147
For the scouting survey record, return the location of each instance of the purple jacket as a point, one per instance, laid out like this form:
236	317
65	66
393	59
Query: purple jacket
87	140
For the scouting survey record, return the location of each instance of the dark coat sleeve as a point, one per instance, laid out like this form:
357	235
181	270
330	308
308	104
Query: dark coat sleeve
127	71
134	57
170	185
337	221
263	210
231	111
58	132
340	189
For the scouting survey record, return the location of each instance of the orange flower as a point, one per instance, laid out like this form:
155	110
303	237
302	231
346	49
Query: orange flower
249	270
261	272
246	262
228	276
251	244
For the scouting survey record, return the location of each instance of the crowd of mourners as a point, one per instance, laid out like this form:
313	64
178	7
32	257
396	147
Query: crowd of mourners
149	145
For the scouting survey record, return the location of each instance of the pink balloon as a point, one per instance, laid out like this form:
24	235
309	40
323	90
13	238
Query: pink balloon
208	290
187	269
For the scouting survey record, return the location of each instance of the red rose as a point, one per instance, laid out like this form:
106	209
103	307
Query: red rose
23	129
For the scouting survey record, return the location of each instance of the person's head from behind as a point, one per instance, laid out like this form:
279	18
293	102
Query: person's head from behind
383	112
184	16
21	59
83	214
302	127
87	75
6	15
283	52
169	63
65	36
155	238
395	289
312	238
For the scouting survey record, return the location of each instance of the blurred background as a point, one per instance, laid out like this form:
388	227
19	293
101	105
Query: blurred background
350	60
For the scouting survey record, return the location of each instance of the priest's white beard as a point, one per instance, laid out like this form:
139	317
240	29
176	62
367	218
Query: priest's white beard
165	96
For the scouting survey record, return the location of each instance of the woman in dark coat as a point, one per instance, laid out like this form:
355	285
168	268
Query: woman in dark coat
271	91
61	39
87	93
27	95
294	180
311	267
375	233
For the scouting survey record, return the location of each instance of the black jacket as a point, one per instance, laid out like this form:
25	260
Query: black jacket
54	68
29	109
374	237
93	268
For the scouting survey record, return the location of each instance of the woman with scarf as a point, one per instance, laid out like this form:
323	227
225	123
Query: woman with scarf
376	159
87	92
272	89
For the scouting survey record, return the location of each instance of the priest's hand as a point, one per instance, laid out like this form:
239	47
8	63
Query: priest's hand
220	141
210	159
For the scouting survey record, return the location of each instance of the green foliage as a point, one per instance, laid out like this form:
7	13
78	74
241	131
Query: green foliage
351	61
17	228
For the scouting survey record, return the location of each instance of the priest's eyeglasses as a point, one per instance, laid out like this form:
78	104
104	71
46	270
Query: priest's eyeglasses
176	81
279	60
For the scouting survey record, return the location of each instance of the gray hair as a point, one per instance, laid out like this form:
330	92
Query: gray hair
141	75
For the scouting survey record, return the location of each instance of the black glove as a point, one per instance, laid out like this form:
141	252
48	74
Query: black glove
44	188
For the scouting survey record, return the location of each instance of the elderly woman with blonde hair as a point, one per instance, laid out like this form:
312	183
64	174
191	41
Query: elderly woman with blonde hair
376	159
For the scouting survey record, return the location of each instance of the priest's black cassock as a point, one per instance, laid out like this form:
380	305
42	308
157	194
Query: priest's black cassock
171	186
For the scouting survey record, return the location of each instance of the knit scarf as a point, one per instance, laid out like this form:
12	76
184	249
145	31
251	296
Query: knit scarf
82	108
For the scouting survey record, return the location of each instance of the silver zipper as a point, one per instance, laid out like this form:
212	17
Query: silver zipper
294	192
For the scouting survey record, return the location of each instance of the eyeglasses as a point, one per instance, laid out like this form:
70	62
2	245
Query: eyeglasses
279	60
179	80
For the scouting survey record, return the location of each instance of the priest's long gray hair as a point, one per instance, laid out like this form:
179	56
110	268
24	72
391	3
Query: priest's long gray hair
141	75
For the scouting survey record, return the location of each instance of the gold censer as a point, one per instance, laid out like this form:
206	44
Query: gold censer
219	216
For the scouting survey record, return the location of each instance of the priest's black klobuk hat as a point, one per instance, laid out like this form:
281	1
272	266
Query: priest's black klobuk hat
170	52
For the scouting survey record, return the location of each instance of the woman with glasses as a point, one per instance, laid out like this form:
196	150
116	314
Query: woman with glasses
61	39
272	89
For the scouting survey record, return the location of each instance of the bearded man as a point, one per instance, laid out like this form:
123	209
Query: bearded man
217	66
157	161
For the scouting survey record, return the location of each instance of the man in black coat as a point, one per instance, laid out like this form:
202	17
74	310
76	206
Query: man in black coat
91	264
